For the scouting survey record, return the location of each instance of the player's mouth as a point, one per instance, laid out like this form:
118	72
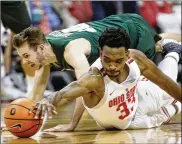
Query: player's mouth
113	73
32	65
39	66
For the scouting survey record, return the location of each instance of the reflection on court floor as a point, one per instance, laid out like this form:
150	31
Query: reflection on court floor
170	133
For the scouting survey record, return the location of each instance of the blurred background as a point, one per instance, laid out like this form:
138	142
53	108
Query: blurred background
163	16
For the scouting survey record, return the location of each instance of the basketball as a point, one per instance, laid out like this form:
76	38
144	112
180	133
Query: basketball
19	121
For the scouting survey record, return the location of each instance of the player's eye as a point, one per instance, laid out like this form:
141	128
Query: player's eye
107	60
26	56
119	61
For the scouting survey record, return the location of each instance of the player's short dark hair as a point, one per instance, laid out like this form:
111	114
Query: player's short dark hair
33	35
114	37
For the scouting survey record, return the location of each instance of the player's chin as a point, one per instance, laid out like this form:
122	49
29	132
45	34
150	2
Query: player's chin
115	74
39	66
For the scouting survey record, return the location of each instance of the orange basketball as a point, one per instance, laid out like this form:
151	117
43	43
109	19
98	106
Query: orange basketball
19	121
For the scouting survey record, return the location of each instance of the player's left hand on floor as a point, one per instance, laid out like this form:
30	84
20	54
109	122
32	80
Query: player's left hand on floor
42	107
60	128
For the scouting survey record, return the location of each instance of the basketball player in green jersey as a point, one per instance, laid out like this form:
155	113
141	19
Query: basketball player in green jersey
77	48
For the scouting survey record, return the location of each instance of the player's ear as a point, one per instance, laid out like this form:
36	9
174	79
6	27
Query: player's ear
40	47
100	53
127	52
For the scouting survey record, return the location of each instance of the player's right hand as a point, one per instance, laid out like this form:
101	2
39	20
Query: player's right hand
42	107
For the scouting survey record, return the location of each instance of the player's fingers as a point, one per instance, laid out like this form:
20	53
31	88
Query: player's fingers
32	108
4	129
50	111
38	111
54	110
43	111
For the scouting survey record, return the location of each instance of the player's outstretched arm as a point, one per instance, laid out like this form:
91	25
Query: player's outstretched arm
153	73
77	59
40	83
88	83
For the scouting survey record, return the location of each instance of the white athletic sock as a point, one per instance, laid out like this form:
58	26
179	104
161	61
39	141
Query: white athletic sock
178	105
170	109
169	65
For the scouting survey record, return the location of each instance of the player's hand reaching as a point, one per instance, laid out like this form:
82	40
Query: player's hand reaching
61	128
42	107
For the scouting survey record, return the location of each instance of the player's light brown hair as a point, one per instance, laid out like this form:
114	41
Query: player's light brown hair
32	35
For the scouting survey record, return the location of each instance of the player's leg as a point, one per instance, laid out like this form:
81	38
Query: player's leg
146	121
153	119
160	109
169	65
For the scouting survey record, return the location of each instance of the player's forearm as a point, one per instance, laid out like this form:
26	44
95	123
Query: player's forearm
40	84
173	89
67	94
37	93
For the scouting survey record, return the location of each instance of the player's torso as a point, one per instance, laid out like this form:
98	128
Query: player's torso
120	101
91	32
60	39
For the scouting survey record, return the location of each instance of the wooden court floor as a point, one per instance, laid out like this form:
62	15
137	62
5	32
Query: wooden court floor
88	132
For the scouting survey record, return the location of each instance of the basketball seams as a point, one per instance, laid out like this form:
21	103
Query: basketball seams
28	128
22	106
22	119
29	125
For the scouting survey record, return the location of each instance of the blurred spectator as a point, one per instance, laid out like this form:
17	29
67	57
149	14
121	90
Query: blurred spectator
130	7
43	16
68	19
15	16
170	22
11	83
98	11
81	10
150	9
109	7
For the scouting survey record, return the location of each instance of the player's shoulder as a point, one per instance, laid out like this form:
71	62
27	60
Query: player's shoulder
94	71
137	55
92	78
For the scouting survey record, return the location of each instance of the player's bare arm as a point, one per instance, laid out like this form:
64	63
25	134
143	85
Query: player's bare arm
75	55
77	59
153	73
89	83
40	83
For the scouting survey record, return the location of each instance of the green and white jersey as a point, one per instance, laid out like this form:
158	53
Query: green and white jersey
141	35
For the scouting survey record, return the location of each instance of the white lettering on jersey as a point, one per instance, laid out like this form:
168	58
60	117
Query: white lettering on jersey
77	28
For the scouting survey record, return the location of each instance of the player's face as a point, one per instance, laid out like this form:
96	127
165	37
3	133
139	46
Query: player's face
31	57
113	60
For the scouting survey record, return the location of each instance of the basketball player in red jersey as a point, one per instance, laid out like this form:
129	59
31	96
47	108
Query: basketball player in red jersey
123	88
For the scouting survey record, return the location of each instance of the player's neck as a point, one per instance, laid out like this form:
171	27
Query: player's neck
51	58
